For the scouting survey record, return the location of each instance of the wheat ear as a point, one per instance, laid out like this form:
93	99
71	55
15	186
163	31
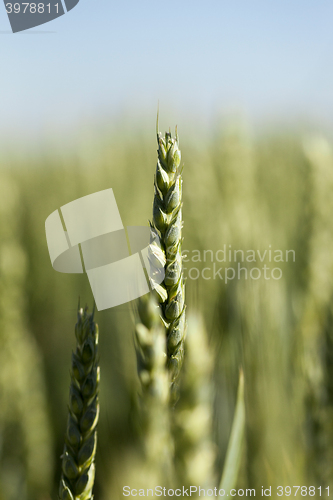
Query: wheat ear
167	223
154	378
78	468
195	451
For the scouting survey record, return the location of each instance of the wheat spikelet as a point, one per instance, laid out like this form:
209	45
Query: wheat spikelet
78	468
167	224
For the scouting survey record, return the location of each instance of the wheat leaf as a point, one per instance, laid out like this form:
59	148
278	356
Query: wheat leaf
236	442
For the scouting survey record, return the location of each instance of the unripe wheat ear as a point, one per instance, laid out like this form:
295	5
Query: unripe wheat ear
167	226
78	467
154	378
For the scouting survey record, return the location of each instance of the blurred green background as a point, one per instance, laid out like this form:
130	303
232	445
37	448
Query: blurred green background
78	107
251	191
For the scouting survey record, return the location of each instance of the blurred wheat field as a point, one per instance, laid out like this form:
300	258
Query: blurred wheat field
240	193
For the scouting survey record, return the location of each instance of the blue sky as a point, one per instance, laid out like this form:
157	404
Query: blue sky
270	59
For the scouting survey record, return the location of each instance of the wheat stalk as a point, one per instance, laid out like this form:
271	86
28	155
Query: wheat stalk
167	225
78	468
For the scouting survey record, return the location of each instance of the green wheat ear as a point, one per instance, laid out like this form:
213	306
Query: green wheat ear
154	378
195	451
78	468
167	225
